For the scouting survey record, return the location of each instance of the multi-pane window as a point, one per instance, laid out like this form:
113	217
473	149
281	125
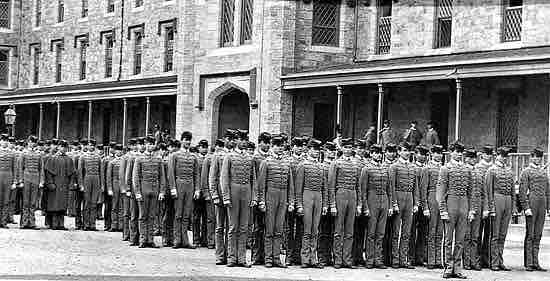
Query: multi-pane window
512	25
138	50
109	43
83	50
326	23
60	10
227	23
138	3
444	23
84	12
5	14
384	26
169	49
35	65
58	60
38	13
247	13
110	6
4	67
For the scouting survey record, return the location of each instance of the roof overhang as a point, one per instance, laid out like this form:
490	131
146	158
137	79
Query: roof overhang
150	87
455	69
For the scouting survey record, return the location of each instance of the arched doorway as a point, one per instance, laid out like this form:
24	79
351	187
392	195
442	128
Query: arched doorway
234	112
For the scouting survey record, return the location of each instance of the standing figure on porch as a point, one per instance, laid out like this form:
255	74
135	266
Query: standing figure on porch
402	176
534	196
430	176
432	138
89	171
454	188
344	202
183	176
275	196
413	135
500	187
59	177
377	199
388	135
311	197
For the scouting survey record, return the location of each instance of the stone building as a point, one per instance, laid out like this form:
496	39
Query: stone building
477	68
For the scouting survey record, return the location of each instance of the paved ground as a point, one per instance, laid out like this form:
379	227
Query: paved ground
77	255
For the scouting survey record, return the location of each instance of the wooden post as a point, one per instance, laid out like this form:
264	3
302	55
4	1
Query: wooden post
89	119
147	112
58	122
124	116
40	121
458	106
339	93
380	111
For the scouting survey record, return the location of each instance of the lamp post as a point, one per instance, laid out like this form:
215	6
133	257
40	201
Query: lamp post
9	117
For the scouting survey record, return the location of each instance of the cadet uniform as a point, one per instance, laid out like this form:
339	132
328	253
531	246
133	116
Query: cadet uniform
149	182
312	197
134	209
500	189
344	195
258	255
237	181
471	237
209	206
276	191
402	181
361	221
169	211
90	173
33	180
294	226
114	178
417	242
454	194
199	210
377	198
534	195
326	225
183	175
435	225
7	182
220	210
480	171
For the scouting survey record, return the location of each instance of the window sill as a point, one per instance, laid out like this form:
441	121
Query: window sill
138	9
85	19
509	45
229	50
326	49
6	30
168	3
111	14
57	24
37	28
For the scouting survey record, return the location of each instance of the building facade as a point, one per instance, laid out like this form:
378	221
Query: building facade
111	69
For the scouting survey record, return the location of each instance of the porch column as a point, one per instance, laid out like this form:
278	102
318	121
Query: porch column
89	119
14	123
458	106
147	112
339	93
40	121
124	116
380	111
58	121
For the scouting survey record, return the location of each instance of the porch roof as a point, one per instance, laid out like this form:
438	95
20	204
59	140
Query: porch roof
146	87
521	61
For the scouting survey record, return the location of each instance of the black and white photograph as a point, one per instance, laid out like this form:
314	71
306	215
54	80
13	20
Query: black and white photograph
294	140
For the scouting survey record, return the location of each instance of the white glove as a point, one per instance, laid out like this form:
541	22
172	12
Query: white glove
333	211
138	196
13	186
290	208
444	216
485	214
415	209
110	192
197	195
396	209
161	196
128	193
367	213
427	213
528	213
390	212
174	192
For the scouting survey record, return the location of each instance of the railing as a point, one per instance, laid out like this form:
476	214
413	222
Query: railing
384	35
512	24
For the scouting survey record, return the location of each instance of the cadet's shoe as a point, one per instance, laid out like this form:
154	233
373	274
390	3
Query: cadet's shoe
211	247
337	266
257	262
152	245
126	239
221	262
467	267
447	275
538	268
281	265
431	266
369	266
134	244
407	266
268	265
177	246
476	268
231	264
381	266
460	276
318	266
142	245
495	268
245	265
530	268
189	247
503	268
304	265
395	266
167	244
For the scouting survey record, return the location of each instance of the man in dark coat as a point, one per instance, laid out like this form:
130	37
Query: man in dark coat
60	176
7	179
32	178
413	135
